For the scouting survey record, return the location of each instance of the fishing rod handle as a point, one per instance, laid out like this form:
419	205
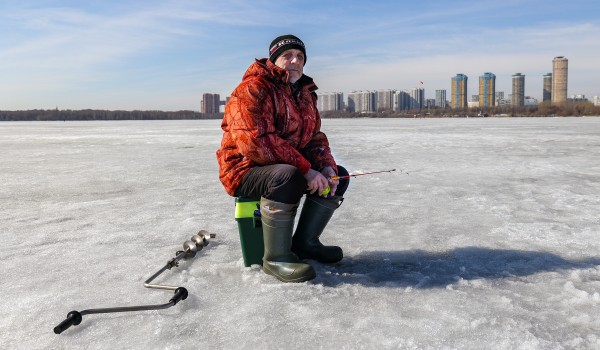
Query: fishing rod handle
73	318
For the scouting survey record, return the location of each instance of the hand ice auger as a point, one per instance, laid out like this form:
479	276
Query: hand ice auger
190	248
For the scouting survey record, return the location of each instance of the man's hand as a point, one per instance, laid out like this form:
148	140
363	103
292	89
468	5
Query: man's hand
316	181
328	172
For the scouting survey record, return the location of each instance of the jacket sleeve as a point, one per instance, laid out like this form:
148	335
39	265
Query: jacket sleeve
317	150
254	132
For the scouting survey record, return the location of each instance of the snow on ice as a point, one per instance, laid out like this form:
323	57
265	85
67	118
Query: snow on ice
487	236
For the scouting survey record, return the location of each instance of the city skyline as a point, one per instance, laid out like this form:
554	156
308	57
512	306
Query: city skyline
555	91
159	55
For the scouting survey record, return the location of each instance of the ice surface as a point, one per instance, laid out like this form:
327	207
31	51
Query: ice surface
487	237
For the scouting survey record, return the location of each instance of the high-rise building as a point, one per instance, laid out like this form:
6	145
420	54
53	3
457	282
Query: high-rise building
417	98
410	99
385	100
210	103
518	90
459	91
402	100
487	90
330	101
440	98
361	101
560	67
547	93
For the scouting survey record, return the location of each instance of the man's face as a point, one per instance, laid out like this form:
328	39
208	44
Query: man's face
291	60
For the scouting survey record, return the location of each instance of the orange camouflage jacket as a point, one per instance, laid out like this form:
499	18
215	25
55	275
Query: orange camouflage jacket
264	123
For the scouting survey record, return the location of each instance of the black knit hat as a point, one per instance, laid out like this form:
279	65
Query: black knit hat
285	42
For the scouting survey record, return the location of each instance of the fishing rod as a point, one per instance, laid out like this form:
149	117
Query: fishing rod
336	177
190	248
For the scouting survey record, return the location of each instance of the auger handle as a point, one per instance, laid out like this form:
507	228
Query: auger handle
73	318
180	294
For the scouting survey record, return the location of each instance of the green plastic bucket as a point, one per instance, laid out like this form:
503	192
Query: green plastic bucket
247	215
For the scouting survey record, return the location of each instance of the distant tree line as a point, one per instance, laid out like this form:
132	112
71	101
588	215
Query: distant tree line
541	110
93	114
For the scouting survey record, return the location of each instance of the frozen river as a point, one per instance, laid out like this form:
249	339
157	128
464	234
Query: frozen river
487	236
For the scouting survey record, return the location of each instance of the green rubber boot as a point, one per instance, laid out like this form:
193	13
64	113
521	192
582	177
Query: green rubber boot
278	227
315	215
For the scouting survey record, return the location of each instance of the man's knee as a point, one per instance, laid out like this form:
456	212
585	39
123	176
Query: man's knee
288	184
343	186
287	175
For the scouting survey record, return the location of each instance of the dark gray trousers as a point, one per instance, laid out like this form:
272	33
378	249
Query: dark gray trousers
282	183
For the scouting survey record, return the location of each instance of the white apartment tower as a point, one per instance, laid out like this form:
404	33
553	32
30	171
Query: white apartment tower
361	101
330	101
440	98
385	100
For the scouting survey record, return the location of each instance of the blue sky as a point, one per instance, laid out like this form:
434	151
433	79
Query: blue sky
163	55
